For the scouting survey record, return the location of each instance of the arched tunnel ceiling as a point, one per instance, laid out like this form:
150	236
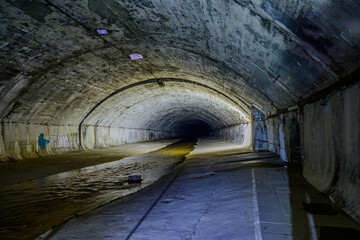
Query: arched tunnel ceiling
167	105
264	53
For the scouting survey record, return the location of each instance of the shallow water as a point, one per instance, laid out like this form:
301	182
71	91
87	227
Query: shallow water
30	208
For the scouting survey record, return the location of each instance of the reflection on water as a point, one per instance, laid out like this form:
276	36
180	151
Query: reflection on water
29	208
217	187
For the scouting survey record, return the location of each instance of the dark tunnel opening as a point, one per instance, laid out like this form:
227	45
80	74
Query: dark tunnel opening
196	128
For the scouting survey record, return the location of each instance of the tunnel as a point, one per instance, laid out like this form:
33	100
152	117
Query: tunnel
161	119
149	110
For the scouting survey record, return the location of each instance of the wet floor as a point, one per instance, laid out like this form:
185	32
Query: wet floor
236	194
14	172
29	208
213	194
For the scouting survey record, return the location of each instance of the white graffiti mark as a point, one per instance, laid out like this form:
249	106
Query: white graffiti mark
57	142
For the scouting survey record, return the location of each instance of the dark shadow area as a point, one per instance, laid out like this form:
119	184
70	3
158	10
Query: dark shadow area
335	233
196	128
297	190
319	208
260	132
295	149
312	214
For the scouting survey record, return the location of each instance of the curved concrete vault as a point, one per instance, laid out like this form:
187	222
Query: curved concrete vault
161	105
287	67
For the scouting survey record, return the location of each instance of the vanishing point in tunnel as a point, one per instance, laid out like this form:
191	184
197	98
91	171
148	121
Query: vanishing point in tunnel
180	119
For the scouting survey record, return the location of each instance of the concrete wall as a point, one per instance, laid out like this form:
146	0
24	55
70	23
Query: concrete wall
276	136
331	146
28	140
280	135
239	133
270	134
21	141
259	133
103	136
325	138
3	156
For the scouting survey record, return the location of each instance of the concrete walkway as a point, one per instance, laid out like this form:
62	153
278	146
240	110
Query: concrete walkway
220	195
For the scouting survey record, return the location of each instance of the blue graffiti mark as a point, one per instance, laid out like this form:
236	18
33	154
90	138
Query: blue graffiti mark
42	141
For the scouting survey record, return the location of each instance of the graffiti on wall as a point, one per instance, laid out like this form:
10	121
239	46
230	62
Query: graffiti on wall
57	142
42	141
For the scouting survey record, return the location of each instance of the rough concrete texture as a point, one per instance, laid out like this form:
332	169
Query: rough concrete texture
267	54
233	38
239	134
268	134
140	113
280	135
276	137
103	136
325	139
259	133
219	195
22	140
206	65
153	111
331	147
